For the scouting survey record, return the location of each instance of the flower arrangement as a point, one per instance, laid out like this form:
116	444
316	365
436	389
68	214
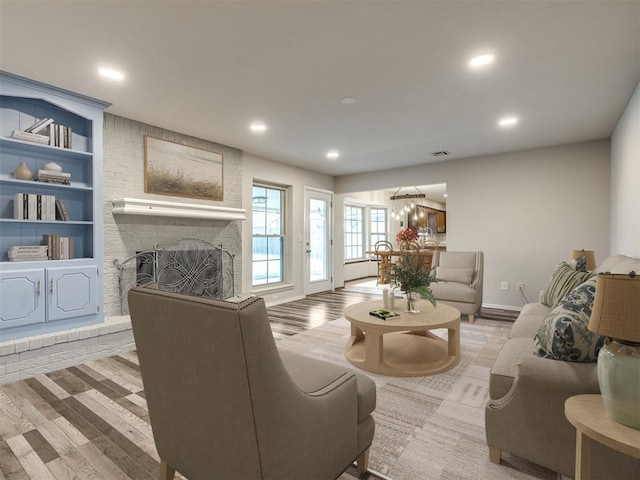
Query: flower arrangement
406	235
410	275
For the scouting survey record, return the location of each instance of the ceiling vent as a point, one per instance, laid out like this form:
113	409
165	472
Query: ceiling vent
441	153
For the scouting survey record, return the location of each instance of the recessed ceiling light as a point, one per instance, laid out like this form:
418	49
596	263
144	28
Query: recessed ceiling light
348	100
111	74
445	195
508	121
333	154
258	127
481	60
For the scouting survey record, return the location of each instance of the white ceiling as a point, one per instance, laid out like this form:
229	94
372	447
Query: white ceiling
208	69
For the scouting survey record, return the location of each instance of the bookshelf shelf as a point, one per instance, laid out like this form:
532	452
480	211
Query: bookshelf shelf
43	222
40	296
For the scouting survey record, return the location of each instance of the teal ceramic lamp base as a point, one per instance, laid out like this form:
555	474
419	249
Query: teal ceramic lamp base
619	379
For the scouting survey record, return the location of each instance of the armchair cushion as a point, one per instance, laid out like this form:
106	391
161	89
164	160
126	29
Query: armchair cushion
453	292
455	274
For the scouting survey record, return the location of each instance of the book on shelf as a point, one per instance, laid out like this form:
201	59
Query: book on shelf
53	174
32	206
39	125
18	206
30	137
49	176
61	211
60	135
59	248
27	253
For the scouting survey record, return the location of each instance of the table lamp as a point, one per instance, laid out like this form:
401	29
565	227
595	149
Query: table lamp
616	314
589	255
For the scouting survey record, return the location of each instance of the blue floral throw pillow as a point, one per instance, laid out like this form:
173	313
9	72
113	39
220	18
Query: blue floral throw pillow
563	334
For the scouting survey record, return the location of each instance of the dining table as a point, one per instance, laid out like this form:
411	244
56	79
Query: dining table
387	258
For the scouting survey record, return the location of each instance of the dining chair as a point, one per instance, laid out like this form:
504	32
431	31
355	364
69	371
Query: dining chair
383	260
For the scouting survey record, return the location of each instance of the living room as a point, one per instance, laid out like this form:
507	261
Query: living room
527	203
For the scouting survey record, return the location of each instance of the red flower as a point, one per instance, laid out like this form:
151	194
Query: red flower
406	235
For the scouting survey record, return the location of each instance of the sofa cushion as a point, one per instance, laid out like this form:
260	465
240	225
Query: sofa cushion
529	320
563	281
453	292
454	274
564	335
505	368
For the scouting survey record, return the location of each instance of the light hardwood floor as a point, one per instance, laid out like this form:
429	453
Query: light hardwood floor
91	421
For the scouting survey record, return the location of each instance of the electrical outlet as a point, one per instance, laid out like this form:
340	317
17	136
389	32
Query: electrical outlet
520	286
504	285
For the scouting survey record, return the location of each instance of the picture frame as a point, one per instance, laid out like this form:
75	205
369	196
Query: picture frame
174	169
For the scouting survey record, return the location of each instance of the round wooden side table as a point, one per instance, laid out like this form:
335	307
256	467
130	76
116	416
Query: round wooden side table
587	414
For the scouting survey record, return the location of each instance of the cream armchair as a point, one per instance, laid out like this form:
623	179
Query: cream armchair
225	404
460	285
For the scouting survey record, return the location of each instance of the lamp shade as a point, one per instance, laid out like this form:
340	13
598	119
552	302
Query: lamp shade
616	308
588	254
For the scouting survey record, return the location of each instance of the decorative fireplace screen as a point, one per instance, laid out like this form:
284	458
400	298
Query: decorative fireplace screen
190	266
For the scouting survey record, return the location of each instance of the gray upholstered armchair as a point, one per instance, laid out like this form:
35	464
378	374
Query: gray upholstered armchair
460	285
225	404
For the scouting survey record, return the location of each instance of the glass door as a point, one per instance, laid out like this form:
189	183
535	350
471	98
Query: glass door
318	242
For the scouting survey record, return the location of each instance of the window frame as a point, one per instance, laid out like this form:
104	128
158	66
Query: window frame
385	234
282	236
349	233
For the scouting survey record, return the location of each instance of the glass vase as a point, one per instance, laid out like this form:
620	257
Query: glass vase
412	302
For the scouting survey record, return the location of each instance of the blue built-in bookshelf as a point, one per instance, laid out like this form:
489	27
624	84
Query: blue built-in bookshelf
39	296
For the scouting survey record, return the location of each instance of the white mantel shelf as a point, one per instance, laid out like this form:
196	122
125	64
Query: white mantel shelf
143	206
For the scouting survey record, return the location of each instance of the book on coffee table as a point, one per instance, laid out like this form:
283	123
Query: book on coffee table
384	314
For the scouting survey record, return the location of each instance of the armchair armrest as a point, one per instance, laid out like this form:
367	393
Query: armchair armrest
318	406
566	378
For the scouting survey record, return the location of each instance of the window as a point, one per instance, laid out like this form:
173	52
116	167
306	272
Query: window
353	232
378	225
268	235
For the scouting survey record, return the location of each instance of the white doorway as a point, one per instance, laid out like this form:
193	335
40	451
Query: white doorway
318	248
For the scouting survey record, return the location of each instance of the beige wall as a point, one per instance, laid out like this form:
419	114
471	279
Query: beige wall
295	179
625	181
526	210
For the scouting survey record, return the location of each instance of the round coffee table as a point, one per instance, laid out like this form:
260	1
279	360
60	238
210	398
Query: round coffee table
403	346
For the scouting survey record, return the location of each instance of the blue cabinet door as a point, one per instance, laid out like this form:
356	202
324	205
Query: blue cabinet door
21	298
71	292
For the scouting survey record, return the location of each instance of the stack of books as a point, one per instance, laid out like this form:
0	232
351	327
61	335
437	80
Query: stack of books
50	176
31	137
28	253
45	132
59	248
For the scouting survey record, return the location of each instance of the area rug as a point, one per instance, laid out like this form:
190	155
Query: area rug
430	427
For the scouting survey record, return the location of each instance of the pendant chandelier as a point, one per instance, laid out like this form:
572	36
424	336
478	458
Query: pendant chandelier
405	204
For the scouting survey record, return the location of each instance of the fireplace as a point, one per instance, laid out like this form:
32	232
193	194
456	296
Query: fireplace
189	266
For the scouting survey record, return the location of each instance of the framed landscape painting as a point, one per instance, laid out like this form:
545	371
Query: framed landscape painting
174	169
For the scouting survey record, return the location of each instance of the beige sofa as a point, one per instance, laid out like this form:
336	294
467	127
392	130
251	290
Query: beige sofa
525	412
460	285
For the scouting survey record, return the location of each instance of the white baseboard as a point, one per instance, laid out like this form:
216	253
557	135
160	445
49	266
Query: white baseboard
502	307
